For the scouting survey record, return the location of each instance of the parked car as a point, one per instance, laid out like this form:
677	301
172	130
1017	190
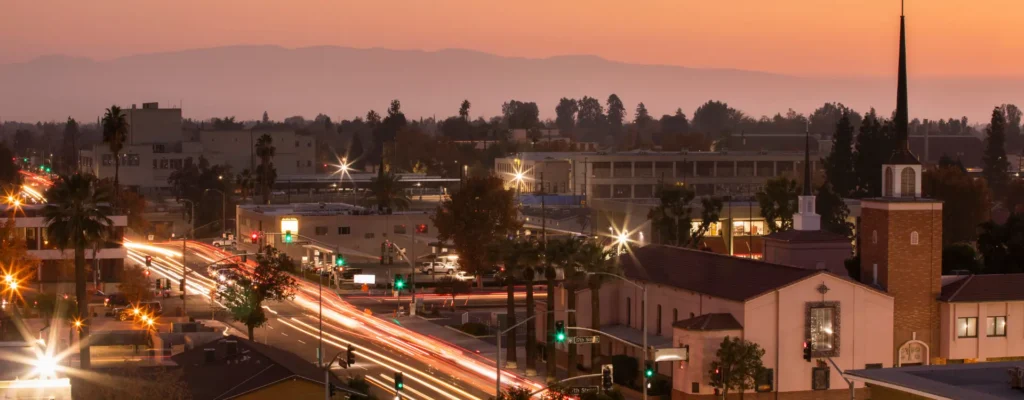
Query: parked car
153	308
428	267
115	300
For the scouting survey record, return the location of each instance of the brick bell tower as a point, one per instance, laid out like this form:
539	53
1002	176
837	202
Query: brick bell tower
901	241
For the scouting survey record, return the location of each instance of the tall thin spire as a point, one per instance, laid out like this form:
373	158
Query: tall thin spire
807	160
902	113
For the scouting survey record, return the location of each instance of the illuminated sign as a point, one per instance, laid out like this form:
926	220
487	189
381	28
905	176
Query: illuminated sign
290	225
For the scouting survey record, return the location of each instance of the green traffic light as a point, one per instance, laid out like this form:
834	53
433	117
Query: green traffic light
560	337
401	385
339	262
288	236
649	373
400	284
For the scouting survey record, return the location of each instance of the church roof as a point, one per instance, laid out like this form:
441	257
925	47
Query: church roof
710	322
980	288
798	236
903	156
717	275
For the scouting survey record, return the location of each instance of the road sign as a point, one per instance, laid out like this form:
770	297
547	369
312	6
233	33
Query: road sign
584	339
369	279
578	390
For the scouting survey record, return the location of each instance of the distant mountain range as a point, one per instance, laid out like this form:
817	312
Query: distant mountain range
245	81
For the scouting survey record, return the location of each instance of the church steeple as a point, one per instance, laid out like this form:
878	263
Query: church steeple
806	219
901	121
900	176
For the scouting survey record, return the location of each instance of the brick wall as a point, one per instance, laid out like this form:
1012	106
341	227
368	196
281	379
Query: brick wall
910	273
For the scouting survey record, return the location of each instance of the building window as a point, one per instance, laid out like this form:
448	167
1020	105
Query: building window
996	326
344	230
629	312
967	327
874	274
107	160
888	184
176	164
874	237
320	230
658	321
133	160
296	143
914	238
908	182
368	235
422	229
164	163
764	381
822	328
695	387
399	229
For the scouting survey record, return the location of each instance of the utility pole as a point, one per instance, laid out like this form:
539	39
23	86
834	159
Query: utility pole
184	276
412	273
543	213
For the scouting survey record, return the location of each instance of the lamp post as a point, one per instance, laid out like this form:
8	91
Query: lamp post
224	209
643	360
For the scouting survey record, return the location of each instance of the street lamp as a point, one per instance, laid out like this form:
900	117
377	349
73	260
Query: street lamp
643	361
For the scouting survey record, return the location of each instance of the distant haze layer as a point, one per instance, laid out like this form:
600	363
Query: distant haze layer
245	81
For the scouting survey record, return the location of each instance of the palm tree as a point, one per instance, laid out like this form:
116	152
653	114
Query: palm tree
515	254
558	254
386	192
77	216
532	255
246	182
115	133
596	259
265	172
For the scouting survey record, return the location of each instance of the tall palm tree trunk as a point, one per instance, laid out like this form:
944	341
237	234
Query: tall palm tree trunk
597	354
510	319
531	327
83	306
250	328
117	178
549	352
570	365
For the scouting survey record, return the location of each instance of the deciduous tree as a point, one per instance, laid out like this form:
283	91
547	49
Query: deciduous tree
966	201
736	366
474	217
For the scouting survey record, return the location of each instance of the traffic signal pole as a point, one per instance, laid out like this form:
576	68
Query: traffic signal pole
497	354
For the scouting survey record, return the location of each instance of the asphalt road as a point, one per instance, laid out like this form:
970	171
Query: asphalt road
431	370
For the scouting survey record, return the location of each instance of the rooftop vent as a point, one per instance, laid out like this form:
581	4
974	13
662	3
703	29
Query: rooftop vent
209	355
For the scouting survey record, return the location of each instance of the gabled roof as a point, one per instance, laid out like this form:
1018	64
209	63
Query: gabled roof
979	288
253	367
710	322
712	274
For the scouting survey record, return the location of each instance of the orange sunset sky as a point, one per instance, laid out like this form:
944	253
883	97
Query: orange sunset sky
947	38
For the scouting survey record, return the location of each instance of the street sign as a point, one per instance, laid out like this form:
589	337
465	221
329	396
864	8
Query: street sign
578	390
584	339
368	279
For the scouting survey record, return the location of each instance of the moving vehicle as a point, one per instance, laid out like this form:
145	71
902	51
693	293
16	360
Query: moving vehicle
152	308
225	243
428	267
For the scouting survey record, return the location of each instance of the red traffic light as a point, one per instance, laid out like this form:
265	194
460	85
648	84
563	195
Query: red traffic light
147	273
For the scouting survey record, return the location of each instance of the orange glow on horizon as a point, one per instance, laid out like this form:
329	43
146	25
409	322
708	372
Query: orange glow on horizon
800	37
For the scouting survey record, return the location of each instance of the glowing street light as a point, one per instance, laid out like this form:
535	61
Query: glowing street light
622	238
45	366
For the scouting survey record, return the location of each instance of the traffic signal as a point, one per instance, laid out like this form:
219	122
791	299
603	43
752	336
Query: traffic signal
718	375
245	258
607	374
807	351
181	285
339	260
649	370
559	331
288	236
399	385
350	356
147	272
399	282
149	261
255	237
333	390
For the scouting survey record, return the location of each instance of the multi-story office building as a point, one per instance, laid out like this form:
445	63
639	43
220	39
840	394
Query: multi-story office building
331	228
55	270
636	174
156	146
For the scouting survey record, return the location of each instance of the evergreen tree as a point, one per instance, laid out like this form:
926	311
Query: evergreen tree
565	113
778	201
616	115
266	118
642	119
839	170
874	148
995	166
355	153
833	210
